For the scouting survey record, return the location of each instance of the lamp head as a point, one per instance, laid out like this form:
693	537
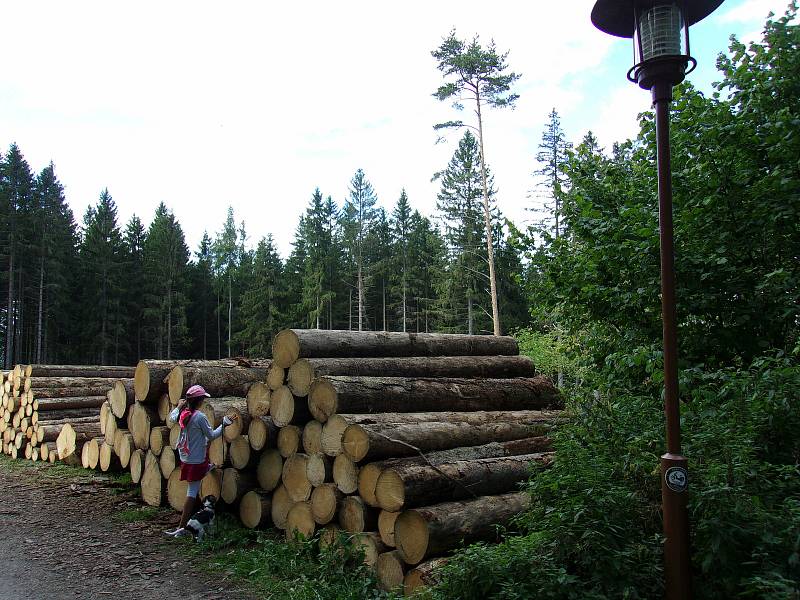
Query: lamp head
660	32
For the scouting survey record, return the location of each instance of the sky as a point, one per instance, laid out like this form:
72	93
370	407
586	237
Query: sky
253	105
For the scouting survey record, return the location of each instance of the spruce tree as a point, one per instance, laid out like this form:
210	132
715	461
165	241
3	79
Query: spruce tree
133	241
165	258
552	156
226	261
357	219
401	231
102	259
463	291
261	302
56	255
200	311
427	257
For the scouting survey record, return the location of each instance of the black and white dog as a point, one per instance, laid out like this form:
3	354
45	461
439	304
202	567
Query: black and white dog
202	522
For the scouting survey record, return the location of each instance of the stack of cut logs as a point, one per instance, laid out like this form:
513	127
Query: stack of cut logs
42	401
411	444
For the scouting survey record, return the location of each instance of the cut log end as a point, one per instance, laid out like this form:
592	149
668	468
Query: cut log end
312	437
367	479
269	470
176	489
299	377
276	376
411	536
355	442
255	509
332	432
295	477
322	399
285	348
281	406
390	491
258	397
390	570
289	440
345	474
299	521
386	522
281	504
325	502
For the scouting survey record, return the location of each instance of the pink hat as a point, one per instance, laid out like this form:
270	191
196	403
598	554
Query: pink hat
196	391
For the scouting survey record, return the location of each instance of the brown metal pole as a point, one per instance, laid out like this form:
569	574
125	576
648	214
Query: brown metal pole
674	474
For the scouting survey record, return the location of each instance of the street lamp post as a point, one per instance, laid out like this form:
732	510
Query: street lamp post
660	32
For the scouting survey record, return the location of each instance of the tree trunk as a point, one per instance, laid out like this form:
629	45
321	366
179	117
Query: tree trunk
291	344
217	381
334	394
434	530
40	311
420	485
487	215
71	371
422	576
305	370
371	442
50	404
230	312
9	357
150	377
369	474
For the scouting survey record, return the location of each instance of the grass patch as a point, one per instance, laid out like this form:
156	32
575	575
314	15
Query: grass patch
266	563
133	515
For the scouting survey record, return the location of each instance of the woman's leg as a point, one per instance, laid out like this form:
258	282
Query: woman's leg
190	505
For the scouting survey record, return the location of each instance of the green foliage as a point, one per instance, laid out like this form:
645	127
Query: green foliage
300	570
594	528
134	515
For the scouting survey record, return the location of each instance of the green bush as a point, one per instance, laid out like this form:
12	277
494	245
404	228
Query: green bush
594	529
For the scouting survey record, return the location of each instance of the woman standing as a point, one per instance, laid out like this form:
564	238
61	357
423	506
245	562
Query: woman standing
195	435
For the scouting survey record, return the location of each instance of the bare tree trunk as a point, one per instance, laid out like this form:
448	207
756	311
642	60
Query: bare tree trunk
169	320
360	297
469	312
488	219
350	312
230	310
39	319
404	303
219	329
384	304
20	315
10	309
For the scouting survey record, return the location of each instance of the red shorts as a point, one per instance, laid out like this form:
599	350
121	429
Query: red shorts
194	472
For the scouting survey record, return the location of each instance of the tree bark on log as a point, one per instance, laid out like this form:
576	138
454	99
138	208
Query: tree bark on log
72	392
474	417
255	509
420	485
69	414
368	474
51	404
305	370
69	383
372	442
217	381
291	344
422	576
434	530
331	395
107	372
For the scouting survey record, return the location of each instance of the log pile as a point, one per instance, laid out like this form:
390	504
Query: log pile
411	444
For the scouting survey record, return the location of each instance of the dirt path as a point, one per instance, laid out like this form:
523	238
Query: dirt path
61	537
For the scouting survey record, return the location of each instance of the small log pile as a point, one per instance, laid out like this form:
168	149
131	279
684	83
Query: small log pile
51	412
411	444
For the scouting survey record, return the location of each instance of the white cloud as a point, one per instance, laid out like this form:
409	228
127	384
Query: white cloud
253	104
